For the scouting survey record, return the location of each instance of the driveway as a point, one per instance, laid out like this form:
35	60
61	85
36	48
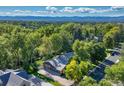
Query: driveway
57	78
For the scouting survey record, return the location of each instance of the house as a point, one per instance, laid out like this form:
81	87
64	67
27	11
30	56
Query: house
113	59
12	79
1	72
58	63
20	78
115	51
98	72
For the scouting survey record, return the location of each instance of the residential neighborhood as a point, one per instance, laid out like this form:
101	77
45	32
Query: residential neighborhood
98	72
59	50
20	78
53	69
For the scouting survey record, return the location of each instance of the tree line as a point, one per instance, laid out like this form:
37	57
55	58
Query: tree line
23	44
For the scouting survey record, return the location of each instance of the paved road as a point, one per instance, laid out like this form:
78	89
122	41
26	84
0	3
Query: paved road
57	78
98	72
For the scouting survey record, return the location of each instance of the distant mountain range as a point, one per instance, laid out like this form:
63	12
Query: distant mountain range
63	19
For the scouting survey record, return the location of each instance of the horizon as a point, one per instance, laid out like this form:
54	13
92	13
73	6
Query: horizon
63	11
64	16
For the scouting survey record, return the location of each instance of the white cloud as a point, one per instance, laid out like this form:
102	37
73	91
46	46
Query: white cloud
80	10
67	9
40	12
22	11
85	10
53	10
90	10
117	7
8	13
18	11
50	8
103	10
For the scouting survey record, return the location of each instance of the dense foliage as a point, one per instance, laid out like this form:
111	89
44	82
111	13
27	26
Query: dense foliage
23	43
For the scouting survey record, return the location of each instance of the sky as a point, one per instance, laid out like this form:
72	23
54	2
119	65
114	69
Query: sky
62	11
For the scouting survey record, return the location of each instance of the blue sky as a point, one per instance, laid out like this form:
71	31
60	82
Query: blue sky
61	11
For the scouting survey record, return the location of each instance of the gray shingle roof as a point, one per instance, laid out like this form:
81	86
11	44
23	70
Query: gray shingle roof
20	78
4	78
1	82
1	72
23	74
113	59
38	82
11	79
59	62
15	80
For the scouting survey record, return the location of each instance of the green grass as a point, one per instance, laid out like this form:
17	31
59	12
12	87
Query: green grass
47	79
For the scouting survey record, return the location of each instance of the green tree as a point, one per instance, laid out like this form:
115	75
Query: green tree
32	41
4	54
98	52
74	29
17	43
56	43
81	49
115	73
109	42
112	37
48	30
88	81
67	39
45	48
73	71
105	83
122	52
85	67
